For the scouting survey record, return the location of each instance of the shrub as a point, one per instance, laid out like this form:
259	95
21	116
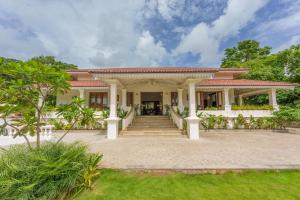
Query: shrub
287	115
121	113
240	122
221	121
58	124
184	113
214	108
251	107
55	171
105	113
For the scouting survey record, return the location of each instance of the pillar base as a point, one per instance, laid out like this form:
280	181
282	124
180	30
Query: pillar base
193	127
275	107
227	107
112	127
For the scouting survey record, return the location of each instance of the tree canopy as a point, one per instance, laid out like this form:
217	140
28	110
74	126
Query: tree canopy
51	61
24	89
244	51
280	66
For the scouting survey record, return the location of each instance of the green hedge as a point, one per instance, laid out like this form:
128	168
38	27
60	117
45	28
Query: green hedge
251	107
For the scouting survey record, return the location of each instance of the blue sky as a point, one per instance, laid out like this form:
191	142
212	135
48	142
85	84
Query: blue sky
104	33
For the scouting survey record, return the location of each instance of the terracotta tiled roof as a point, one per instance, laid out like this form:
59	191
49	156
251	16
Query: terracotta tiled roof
240	82
88	83
159	70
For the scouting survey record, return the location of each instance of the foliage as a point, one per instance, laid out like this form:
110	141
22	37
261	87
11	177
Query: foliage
247	185
77	115
210	121
58	124
214	108
167	109
287	115
105	113
184	113
121	113
24	89
221	122
55	171
51	61
240	122
281	66
246	50
251	107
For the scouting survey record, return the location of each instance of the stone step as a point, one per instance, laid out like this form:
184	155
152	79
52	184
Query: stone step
151	126
154	123
151	132
151	135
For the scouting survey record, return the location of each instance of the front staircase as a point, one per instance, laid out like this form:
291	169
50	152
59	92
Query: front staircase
152	126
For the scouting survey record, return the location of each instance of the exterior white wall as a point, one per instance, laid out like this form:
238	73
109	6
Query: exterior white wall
67	98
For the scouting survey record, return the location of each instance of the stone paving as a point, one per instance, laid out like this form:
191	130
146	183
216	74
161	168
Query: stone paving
236	150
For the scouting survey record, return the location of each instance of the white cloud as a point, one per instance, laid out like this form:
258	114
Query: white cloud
288	22
293	41
150	51
205	39
87	33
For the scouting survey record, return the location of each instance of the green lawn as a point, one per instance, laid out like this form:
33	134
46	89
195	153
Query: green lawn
119	185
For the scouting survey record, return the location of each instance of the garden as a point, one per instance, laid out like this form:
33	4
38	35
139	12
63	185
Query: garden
55	170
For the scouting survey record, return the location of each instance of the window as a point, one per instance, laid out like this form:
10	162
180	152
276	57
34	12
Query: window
174	98
209	99
98	100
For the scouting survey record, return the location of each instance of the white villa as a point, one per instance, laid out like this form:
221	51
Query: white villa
146	92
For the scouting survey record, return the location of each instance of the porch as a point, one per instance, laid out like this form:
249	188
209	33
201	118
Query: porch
154	96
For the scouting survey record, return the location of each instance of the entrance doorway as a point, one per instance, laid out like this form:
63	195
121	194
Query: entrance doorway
151	103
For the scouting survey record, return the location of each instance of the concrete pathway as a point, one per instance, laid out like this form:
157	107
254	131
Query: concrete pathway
238	150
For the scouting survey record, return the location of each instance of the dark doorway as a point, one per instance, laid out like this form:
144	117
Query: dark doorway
151	103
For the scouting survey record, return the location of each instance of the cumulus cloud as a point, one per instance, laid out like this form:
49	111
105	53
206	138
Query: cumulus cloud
204	39
87	33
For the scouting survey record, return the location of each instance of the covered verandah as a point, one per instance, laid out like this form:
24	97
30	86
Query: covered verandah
198	94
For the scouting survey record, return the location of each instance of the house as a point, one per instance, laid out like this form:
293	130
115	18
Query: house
147	90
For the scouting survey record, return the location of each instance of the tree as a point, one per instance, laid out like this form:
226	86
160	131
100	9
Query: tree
290	60
245	50
51	61
281	66
24	89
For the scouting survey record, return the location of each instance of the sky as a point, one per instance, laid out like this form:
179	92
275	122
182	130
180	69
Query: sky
138	33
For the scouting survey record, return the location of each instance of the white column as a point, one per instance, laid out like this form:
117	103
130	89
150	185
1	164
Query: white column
124	98
227	105
241	100
180	100
192	120
113	120
272	99
81	95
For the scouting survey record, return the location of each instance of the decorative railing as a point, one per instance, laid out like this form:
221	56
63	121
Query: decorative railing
8	135
176	118
129	118
235	113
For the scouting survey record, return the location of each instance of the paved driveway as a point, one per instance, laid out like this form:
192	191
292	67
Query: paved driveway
259	149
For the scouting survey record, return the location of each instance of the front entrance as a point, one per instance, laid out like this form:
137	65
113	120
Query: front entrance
151	103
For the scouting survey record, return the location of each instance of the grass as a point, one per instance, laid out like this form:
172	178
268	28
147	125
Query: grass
118	185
